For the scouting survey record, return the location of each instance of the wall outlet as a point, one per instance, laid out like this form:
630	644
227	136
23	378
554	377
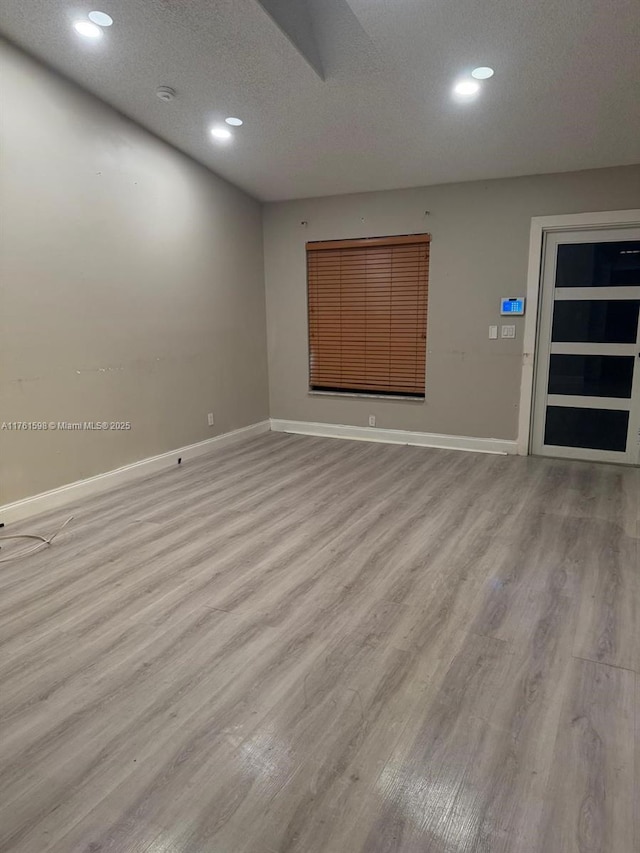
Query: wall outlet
210	418
372	420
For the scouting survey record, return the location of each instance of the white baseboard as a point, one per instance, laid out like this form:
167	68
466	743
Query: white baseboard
500	446
46	501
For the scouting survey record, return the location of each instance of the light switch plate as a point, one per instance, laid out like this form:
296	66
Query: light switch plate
508	331
493	333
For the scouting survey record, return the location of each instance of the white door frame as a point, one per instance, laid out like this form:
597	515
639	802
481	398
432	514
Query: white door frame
540	225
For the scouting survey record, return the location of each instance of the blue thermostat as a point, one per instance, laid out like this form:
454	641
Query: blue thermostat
512	305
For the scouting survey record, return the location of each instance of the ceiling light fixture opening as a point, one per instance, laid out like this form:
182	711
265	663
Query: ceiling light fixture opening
221	133
466	88
101	19
483	72
87	29
234	122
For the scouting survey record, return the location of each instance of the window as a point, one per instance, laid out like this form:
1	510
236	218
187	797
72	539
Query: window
368	315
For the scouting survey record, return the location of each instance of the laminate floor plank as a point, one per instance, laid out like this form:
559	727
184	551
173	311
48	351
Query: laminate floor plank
102	514
304	644
180	532
608	628
542	554
424	798
591	803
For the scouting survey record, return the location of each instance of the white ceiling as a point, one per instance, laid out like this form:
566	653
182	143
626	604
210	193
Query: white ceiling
566	93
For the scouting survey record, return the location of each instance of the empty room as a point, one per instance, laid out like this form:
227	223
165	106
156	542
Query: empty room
319	426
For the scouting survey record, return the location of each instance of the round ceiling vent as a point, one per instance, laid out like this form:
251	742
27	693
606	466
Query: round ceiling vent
166	93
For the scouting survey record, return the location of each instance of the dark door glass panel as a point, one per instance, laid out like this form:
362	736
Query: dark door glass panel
597	429
598	264
597	322
591	375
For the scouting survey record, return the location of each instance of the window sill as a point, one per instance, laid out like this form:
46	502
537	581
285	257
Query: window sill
360	395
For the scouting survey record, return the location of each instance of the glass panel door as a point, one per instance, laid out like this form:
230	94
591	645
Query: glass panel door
587	390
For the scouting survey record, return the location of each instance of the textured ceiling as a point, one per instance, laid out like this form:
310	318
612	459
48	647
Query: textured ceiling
355	94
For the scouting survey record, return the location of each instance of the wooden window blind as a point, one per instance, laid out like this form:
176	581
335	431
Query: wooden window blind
367	304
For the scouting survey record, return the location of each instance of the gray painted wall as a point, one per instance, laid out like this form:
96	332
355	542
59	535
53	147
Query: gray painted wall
479	252
131	284
132	289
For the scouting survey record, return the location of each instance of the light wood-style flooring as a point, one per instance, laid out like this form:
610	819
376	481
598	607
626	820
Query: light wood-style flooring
324	646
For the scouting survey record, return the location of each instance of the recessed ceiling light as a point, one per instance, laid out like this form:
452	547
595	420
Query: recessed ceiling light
466	88
87	29
234	122
101	19
482	73
221	133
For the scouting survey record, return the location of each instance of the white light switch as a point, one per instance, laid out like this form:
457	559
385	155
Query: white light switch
493	333
508	331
